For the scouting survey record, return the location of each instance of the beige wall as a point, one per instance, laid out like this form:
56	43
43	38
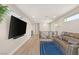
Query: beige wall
72	26
8	46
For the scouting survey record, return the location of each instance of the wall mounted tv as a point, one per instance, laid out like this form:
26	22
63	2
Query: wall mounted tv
17	28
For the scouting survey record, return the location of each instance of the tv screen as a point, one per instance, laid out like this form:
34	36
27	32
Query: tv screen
17	28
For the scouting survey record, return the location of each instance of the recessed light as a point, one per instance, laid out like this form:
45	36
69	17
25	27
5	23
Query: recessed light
45	24
56	25
33	16
54	16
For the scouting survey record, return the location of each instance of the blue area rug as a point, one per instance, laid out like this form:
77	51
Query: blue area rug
49	48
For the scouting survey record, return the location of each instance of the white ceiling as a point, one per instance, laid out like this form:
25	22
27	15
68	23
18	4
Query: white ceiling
42	12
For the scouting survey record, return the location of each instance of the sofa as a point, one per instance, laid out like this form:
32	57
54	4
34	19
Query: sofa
68	42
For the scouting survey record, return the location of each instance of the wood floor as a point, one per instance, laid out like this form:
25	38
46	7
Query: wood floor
31	47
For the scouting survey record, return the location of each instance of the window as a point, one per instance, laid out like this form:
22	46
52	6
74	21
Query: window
74	17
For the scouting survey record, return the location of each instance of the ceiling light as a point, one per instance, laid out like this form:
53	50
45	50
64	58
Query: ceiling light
33	16
54	16
48	21
45	24
56	25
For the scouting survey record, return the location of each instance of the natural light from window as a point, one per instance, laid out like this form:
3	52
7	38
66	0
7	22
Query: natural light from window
74	17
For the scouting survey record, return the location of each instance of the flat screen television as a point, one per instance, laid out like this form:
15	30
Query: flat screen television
17	28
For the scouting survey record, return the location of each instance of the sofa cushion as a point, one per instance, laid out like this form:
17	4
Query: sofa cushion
73	41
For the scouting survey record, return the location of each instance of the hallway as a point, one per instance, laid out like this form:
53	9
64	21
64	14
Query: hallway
23	25
49	48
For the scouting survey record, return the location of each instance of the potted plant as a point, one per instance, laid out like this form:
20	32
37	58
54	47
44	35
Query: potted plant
2	11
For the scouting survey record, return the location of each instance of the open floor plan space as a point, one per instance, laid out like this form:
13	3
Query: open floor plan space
39	29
